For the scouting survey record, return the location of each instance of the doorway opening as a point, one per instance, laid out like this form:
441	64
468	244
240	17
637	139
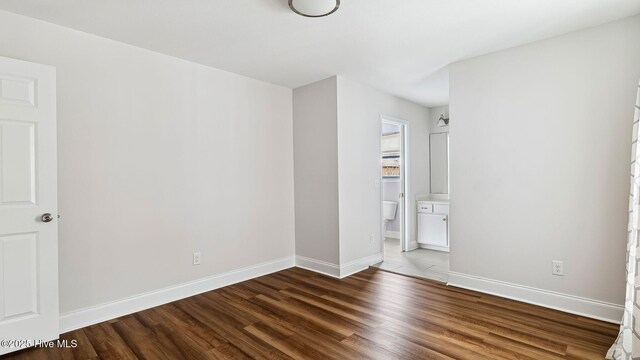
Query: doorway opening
394	185
415	226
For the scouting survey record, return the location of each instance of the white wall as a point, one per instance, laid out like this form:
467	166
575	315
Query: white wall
315	139
159	157
434	115
337	161
540	151
359	110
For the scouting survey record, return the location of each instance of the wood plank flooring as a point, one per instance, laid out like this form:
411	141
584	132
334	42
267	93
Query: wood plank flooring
371	315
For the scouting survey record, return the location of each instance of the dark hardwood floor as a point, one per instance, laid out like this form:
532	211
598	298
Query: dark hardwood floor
371	315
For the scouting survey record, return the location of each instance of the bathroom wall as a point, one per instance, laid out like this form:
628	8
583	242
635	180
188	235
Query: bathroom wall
389	128
540	151
434	115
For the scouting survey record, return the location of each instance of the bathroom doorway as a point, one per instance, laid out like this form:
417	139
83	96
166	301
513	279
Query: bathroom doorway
421	250
394	187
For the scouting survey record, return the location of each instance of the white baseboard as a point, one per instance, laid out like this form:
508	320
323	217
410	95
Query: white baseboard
96	314
595	309
319	266
358	265
338	271
392	234
568	303
434	247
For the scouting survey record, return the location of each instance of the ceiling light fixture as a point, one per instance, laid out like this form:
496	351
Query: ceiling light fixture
314	8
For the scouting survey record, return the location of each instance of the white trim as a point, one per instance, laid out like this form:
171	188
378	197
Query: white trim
434	247
338	271
595	309
358	265
393	119
392	234
319	266
96	314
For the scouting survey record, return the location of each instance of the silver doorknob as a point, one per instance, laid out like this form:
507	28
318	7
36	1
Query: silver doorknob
46	217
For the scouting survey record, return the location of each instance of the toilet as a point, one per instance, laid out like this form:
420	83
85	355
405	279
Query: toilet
389	209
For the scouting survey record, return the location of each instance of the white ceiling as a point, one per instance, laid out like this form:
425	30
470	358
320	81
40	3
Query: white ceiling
398	46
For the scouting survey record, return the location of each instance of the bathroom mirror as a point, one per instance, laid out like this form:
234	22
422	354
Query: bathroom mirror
439	162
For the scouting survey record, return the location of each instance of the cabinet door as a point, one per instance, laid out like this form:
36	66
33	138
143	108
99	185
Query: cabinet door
432	229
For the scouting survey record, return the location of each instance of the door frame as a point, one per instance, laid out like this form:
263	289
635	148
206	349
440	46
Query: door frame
403	206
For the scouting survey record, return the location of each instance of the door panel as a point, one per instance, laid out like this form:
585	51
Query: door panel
17	148
20	280
17	90
28	189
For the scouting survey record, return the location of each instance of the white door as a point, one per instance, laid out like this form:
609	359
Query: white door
432	230
28	237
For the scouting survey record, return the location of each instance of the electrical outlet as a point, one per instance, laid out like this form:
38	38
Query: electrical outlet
557	267
371	238
196	258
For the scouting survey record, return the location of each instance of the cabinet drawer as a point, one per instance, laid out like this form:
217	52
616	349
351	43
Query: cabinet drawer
441	209
425	208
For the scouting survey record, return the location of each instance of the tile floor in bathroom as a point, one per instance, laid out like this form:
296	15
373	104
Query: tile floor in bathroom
425	263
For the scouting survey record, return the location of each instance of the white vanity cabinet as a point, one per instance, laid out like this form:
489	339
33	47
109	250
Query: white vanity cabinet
433	225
